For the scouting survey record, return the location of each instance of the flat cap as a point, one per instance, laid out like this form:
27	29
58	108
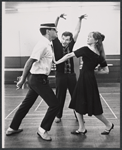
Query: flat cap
48	25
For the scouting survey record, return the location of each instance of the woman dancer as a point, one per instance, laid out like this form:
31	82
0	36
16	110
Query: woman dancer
86	99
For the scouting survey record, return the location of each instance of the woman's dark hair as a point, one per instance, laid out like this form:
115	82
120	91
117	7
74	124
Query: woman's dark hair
66	33
43	30
99	38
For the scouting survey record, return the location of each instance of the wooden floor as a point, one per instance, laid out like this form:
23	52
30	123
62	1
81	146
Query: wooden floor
60	133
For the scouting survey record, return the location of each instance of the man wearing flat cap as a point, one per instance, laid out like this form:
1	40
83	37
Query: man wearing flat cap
39	66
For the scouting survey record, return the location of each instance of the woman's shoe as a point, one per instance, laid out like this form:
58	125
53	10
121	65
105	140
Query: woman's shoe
106	132
78	132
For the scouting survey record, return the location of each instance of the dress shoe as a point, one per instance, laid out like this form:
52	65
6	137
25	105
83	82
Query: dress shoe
44	136
11	132
106	132
57	120
78	132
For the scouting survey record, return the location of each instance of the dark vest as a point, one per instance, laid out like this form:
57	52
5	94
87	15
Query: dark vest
58	51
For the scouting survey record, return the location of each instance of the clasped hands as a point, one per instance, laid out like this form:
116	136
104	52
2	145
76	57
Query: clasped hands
54	61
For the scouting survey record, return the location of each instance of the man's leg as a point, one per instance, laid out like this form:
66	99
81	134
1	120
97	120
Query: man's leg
53	103
22	111
71	83
71	86
24	108
61	88
50	98
41	86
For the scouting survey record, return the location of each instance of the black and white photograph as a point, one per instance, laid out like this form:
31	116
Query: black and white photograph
61	74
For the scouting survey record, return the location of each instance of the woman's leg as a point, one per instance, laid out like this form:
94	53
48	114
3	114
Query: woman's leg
81	122
104	120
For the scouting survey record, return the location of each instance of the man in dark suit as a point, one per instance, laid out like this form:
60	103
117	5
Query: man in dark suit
65	75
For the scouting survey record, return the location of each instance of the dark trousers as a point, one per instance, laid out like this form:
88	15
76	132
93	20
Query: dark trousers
64	82
38	86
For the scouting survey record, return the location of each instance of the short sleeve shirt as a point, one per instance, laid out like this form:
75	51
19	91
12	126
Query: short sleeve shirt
43	53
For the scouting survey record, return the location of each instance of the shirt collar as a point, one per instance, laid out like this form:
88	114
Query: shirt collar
47	41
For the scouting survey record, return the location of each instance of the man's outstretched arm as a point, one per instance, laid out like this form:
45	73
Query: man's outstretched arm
57	19
78	27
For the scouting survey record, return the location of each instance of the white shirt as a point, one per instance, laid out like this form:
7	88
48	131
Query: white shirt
44	55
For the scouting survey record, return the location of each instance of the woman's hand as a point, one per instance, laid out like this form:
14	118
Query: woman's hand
99	70
55	62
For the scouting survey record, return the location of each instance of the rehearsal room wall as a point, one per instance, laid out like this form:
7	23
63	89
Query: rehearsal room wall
20	31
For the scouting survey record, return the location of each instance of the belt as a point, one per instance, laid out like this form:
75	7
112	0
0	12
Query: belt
42	78
41	75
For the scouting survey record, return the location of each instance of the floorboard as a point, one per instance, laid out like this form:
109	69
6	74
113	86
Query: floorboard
61	133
